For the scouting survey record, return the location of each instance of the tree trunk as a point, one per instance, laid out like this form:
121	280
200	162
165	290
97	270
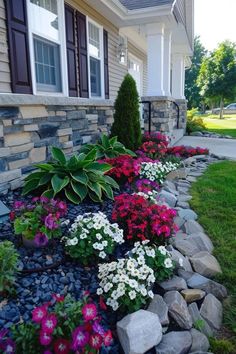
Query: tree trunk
221	107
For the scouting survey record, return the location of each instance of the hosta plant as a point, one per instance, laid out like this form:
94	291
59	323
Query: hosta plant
157	258
8	266
92	237
126	284
62	326
107	148
77	177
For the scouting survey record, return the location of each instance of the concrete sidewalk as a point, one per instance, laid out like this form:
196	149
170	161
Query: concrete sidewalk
220	147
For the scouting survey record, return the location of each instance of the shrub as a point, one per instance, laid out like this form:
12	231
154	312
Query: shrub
126	124
142	220
186	151
39	220
125	284
194	123
92	237
157	171
8	266
157	258
78	177
66	324
107	148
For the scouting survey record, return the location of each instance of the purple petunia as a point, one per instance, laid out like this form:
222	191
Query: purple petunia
40	239
50	223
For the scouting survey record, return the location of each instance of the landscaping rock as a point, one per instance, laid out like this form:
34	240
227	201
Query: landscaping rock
178	309
175	283
187	214
205	264
175	343
200	342
198	320
139	332
212	311
169	198
183	205
179	221
209	286
202	241
159	307
186	247
191	226
184	198
179	173
191	295
180	260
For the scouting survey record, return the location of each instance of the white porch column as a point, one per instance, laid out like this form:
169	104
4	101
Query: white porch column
167	62
155	59
178	76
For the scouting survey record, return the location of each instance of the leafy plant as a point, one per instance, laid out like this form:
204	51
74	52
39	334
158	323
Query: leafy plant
8	266
126	124
220	346
77	177
194	123
107	148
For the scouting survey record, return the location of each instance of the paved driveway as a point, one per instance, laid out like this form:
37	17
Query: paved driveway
220	147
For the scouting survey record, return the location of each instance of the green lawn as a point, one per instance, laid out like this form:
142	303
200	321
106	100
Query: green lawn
214	200
226	126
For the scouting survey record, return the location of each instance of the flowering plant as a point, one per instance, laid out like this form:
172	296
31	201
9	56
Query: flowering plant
63	326
152	149
142	220
126	284
157	258
151	196
156	171
186	151
124	168
92	236
7	345
145	185
39	220
156	137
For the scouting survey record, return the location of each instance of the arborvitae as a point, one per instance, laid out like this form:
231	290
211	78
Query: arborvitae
127	116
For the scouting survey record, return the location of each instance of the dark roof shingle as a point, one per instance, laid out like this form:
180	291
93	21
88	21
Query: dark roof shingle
141	4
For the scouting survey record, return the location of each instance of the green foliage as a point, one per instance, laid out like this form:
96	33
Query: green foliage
199	324
8	266
126	124
23	331
107	148
194	123
78	177
221	346
192	90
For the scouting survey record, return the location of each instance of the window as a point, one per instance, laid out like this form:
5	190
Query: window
47	49
95	50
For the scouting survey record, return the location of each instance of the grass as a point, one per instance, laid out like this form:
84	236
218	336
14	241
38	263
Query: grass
226	126
214	200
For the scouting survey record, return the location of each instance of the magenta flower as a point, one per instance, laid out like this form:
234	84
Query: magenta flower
44	338
9	346
44	199
98	328
108	338
40	239
89	312
3	333
58	297
96	341
49	323
50	223
19	205
79	338
39	313
47	352
61	346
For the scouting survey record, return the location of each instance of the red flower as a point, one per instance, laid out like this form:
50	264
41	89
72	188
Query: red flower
12	215
107	338
61	346
96	341
102	303
58	297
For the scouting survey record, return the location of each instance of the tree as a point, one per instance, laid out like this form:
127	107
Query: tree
217	77
126	124
192	91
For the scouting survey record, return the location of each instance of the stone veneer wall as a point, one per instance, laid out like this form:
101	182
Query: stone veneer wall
28	132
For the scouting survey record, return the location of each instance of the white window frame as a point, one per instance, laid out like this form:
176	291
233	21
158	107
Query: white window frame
62	51
88	19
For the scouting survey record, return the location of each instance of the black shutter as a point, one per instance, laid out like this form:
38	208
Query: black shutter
18	46
83	55
71	50
106	70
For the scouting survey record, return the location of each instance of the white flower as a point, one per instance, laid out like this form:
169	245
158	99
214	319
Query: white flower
99	291
181	262
143	292
107	287
150	294
168	263
102	254
162	250
132	294
98	237
72	241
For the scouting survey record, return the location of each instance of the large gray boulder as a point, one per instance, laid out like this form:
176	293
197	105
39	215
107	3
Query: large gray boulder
202	241
200	343
175	343
205	264
212	311
180	260
178	309
209	286
186	247
159	307
192	226
175	283
139	332
188	214
168	197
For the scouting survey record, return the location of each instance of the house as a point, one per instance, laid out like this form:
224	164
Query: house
61	65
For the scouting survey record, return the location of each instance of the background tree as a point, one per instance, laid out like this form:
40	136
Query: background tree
127	116
217	77
192	90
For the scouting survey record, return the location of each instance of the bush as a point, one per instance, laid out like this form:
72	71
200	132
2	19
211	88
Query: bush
107	148
77	178
194	123
8	266
126	124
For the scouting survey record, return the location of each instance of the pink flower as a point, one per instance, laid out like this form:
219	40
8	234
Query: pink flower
47	352
49	323
19	205
89	312
96	341
50	223
58	297
44	338
44	199
61	346
40	239
39	313
107	338
98	328
79	338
